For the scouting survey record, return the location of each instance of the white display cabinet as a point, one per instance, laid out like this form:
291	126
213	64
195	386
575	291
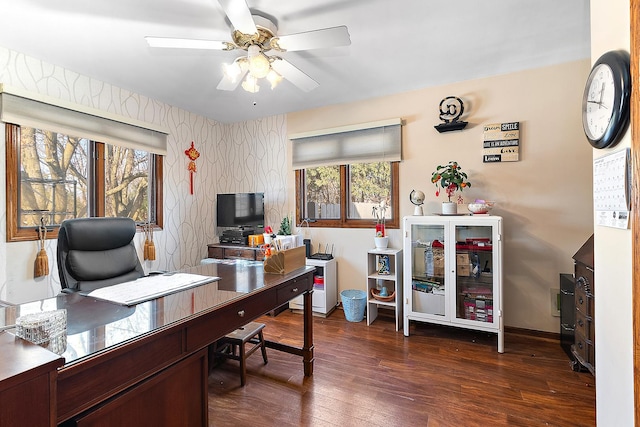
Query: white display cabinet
384	270
453	272
325	288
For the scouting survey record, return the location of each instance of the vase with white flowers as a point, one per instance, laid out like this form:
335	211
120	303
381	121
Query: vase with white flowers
379	212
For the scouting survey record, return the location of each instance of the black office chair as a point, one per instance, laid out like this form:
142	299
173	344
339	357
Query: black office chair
97	252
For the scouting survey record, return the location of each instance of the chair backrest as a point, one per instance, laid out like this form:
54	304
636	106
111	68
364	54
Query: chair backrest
97	252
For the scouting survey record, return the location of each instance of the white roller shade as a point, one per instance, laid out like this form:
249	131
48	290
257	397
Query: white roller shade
20	108
365	143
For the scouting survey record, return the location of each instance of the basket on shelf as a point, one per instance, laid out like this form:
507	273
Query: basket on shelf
376	294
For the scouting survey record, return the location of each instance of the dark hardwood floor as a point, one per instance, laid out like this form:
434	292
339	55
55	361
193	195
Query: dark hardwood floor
375	376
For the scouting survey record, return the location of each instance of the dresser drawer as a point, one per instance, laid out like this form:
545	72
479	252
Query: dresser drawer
232	253
584	349
584	325
584	278
217	253
584	299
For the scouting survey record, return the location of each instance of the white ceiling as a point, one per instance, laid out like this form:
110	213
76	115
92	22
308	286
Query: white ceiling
397	46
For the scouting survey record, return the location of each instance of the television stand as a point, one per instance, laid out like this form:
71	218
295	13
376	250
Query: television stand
234	251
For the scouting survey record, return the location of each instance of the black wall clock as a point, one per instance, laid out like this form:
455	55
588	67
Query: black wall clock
605	103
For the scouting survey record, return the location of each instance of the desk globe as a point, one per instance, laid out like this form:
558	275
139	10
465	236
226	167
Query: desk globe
417	198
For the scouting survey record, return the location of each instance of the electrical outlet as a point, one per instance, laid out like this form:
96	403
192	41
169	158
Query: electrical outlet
554	293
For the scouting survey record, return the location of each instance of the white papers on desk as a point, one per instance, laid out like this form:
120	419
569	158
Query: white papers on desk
150	287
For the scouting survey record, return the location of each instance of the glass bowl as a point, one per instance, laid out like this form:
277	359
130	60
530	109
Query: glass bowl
480	208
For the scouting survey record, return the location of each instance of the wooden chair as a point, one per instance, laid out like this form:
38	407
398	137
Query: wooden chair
232	346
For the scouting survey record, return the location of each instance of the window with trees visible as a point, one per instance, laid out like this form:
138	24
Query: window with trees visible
56	177
344	195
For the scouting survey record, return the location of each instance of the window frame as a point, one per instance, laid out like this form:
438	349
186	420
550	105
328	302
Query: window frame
344	221
96	208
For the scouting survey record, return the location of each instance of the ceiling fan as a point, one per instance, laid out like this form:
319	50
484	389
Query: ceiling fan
257	36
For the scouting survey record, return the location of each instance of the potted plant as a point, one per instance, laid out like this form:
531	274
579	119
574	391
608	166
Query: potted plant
449	178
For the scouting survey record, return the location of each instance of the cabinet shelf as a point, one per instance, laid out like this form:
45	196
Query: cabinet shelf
385	303
381	277
387	260
453	272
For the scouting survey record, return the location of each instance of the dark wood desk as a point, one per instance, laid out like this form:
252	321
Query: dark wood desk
147	364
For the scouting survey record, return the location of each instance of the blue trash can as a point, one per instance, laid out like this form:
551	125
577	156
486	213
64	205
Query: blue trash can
354	302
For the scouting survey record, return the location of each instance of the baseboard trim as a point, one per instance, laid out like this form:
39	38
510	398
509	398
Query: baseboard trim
533	333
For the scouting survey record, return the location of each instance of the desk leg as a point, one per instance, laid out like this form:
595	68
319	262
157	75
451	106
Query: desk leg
307	348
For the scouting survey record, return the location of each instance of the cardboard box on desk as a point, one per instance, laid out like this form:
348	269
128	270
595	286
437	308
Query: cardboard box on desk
283	262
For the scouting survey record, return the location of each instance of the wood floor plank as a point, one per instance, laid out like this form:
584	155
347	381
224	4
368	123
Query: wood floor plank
374	376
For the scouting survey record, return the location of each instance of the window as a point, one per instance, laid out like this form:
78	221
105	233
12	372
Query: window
343	173
58	176
344	195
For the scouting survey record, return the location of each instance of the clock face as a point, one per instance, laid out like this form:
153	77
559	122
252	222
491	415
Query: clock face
599	103
605	102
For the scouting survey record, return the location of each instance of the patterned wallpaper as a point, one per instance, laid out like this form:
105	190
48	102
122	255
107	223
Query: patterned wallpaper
247	156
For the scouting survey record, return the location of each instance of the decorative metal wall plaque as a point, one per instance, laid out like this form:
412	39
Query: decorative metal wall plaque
451	109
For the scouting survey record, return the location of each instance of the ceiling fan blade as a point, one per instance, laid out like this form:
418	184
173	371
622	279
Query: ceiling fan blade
294	75
240	16
186	43
327	37
228	84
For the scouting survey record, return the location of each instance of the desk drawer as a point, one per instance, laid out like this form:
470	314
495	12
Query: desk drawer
140	404
213	326
293	288
83	385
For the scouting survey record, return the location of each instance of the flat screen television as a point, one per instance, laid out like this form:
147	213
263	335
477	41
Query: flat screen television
241	210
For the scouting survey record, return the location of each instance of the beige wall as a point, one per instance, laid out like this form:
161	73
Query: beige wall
613	266
545	198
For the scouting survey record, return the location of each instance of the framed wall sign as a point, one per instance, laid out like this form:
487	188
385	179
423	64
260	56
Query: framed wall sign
501	142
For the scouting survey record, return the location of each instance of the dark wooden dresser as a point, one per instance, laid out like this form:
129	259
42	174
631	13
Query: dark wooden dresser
231	251
584	347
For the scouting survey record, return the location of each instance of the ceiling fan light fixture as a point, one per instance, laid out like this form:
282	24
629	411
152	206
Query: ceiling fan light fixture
250	84
259	64
232	71
274	78
257	34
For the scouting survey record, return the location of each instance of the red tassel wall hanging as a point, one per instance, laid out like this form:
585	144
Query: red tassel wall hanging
192	154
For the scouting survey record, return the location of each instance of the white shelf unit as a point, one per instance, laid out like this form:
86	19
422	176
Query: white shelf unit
392	281
453	272
325	296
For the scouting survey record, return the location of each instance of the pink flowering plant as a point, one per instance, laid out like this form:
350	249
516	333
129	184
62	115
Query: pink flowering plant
449	178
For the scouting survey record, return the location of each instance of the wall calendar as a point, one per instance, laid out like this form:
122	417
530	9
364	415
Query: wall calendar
612	189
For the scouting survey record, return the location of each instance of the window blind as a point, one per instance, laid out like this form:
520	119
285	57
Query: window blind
24	109
364	143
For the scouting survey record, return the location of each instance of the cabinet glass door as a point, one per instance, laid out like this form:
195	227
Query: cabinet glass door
427	269
474	273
